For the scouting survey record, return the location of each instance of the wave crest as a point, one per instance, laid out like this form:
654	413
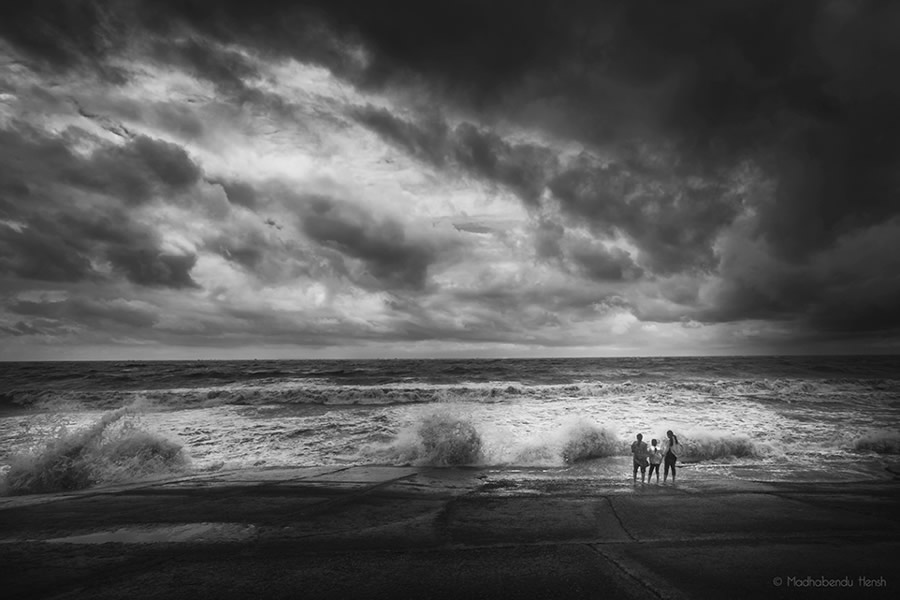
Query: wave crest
881	442
438	439
583	440
113	449
711	446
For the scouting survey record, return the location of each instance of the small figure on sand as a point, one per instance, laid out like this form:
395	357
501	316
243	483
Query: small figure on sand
639	451
655	460
673	449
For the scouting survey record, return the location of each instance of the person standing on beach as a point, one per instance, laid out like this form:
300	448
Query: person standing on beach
673	449
639	452
655	460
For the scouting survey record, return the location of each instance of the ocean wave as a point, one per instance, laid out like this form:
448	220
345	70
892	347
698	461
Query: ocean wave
765	391
879	441
705	446
439	438
583	440
113	449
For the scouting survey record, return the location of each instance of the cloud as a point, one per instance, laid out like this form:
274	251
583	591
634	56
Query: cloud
851	289
577	251
39	253
132	314
647	161
382	244
673	220
149	266
522	168
239	193
55	239
76	34
132	172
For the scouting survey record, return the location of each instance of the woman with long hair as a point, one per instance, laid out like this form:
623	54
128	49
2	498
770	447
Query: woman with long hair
673	449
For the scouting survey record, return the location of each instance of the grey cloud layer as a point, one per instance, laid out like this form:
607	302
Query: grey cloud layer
57	239
670	101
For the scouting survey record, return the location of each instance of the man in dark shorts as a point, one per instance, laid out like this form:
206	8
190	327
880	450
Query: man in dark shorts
639	452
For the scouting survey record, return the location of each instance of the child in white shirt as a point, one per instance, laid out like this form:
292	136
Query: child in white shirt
655	460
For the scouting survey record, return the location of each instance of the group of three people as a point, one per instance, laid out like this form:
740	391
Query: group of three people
653	456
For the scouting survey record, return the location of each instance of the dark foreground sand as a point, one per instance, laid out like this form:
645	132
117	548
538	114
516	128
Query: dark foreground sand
385	532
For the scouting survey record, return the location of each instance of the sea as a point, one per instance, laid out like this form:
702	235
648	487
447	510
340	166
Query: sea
71	425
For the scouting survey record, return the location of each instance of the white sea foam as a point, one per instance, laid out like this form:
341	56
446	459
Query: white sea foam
772	424
878	441
114	448
440	438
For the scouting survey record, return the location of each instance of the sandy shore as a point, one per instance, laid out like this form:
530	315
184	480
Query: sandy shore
391	532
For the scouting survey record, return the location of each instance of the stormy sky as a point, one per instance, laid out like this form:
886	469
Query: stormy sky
220	179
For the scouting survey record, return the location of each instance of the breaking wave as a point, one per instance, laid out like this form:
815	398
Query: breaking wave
584	440
113	449
711	446
881	442
438	439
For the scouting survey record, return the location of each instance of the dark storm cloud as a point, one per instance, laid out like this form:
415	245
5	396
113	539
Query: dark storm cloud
232	73
803	82
88	311
39	253
850	290
52	238
227	69
602	264
21	328
131	172
806	83
239	193
673	222
585	257
67	34
133	249
60	245
135	171
804	90
426	140
151	267
390	255
523	168
247	247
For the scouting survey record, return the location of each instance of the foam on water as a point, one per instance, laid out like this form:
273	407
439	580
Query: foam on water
440	438
574	417
708	446
584	440
112	449
878	441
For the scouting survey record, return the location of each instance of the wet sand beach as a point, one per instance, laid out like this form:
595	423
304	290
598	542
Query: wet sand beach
394	532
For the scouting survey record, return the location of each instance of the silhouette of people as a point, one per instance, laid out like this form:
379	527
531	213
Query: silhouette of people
655	457
673	449
639	452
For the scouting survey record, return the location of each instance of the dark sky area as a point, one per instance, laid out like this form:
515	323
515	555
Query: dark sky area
202	178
